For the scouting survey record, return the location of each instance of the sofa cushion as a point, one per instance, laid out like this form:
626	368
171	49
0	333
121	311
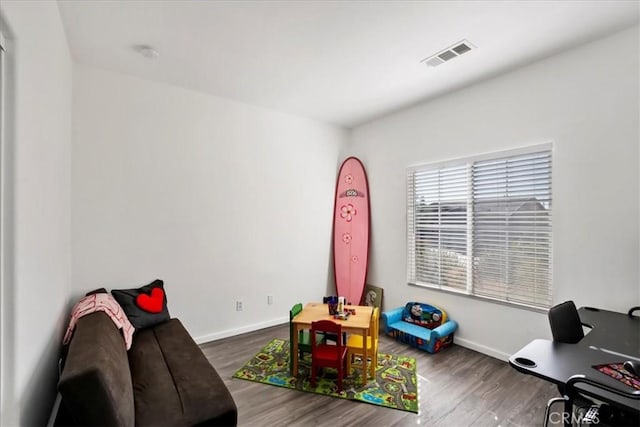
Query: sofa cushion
424	315
95	383
140	304
174	383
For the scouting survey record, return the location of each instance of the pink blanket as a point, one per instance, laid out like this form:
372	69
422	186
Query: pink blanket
101	302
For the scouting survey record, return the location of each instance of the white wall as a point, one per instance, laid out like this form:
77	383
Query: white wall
39	144
226	201
222	200
586	102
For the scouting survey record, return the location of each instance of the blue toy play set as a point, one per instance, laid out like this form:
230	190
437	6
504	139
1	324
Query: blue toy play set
420	325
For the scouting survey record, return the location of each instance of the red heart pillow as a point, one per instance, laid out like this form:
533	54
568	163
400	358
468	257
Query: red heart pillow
151	303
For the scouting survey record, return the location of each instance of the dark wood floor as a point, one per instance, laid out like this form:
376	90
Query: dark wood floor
457	387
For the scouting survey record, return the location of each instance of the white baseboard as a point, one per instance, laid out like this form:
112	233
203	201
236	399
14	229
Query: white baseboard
242	330
54	411
482	349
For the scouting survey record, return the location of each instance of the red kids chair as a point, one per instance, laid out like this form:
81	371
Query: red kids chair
327	355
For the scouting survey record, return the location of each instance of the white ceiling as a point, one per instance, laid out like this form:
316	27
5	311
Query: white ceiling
341	62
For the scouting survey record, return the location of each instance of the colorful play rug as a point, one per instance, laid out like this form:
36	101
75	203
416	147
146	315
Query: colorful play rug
395	385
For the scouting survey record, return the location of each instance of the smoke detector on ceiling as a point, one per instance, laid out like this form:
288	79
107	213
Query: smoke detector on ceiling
449	53
146	51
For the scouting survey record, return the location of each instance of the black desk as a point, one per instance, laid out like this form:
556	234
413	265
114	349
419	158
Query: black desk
611	331
614	338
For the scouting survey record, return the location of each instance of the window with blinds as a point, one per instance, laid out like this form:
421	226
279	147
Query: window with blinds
482	226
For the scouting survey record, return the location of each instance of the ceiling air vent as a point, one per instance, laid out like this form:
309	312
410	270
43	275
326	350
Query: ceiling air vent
434	61
449	53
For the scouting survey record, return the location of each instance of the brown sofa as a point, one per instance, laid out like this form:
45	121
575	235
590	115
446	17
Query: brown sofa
163	380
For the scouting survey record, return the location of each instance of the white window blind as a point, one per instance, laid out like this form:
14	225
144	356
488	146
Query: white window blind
482	226
438	226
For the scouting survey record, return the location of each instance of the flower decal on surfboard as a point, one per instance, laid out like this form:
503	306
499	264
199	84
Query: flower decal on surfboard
348	179
347	212
346	237
355	259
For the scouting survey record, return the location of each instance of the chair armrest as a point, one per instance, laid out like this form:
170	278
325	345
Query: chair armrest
570	387
443	330
389	317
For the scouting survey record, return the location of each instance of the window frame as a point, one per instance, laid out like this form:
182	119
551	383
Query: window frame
468	163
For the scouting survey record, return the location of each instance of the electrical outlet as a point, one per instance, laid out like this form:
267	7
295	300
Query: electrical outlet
270	299
238	305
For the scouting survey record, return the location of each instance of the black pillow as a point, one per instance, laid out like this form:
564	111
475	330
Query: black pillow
145	306
96	291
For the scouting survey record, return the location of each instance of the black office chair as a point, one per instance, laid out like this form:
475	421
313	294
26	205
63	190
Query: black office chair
601	414
565	323
566	328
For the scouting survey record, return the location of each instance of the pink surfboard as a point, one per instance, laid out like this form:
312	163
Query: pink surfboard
351	231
